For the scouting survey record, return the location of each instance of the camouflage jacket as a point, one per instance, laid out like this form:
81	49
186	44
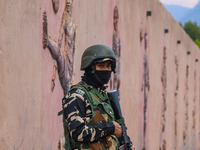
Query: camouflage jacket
89	120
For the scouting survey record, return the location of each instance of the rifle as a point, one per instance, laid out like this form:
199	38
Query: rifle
125	143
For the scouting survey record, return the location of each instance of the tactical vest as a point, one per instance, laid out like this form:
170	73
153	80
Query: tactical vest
101	111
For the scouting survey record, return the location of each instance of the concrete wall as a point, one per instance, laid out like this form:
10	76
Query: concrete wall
28	118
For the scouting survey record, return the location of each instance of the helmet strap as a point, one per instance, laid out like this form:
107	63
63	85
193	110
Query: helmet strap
94	68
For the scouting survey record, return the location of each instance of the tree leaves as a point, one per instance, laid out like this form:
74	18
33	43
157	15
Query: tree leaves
193	30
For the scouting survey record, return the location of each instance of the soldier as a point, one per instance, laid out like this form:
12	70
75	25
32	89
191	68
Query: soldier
89	120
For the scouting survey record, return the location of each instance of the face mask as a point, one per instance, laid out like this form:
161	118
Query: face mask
104	76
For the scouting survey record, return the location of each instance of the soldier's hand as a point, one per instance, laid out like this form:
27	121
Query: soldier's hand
118	129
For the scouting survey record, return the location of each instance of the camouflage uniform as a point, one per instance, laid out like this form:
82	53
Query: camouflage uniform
89	116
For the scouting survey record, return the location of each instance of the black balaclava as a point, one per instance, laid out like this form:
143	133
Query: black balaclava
96	78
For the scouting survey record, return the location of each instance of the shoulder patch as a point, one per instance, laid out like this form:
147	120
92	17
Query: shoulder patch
78	91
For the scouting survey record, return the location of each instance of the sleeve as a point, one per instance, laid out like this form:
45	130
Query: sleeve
77	116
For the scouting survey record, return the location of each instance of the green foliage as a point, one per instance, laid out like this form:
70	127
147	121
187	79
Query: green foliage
192	30
197	42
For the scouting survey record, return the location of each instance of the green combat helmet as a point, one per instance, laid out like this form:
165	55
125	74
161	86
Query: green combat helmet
97	53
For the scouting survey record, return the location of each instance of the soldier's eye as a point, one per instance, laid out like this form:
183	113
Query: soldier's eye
100	65
109	65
